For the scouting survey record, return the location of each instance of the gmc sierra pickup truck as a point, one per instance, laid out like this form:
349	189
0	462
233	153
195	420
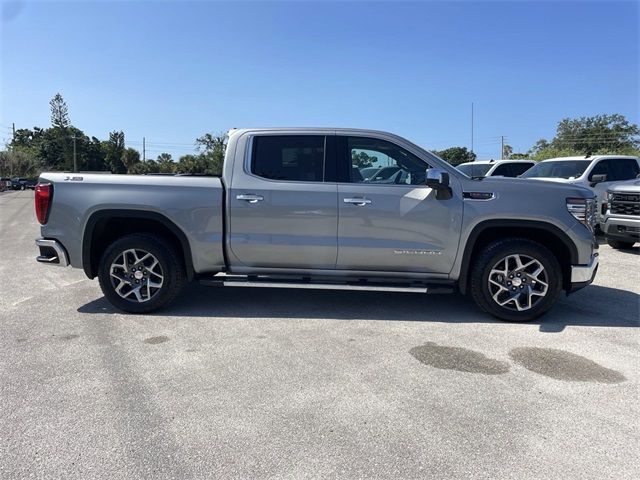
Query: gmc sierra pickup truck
292	209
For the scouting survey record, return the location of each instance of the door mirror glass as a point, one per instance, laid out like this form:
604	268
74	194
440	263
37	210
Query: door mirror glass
595	179
438	179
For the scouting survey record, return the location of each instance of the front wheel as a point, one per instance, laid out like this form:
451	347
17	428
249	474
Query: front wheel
140	273
619	245
516	280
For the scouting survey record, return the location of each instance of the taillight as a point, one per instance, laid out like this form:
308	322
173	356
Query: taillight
44	193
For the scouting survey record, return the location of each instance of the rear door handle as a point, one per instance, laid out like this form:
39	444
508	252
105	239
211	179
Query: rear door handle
250	197
360	202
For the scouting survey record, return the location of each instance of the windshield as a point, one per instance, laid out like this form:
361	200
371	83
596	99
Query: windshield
383	174
368	172
475	170
557	169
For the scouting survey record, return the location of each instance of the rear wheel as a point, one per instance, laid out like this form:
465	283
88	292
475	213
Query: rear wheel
516	280
619	245
140	273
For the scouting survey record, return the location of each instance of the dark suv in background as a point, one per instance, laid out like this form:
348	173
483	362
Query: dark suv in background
22	183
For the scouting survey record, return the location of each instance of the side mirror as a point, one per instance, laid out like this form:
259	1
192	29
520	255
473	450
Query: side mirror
596	179
438	179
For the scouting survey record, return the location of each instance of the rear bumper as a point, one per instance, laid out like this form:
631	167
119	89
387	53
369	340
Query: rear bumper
52	252
583	275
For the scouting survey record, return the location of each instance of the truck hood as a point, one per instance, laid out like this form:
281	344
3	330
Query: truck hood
553	179
527	186
630	186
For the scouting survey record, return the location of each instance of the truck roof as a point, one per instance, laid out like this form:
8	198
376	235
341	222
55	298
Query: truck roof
590	158
235	131
498	162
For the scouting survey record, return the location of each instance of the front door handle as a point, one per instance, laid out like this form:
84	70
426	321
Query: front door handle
360	202
250	198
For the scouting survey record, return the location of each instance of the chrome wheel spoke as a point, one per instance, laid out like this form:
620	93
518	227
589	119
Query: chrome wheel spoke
138	295
499	285
119	276
136	275
119	287
518	282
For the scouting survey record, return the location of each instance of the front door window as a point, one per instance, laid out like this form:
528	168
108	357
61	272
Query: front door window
378	162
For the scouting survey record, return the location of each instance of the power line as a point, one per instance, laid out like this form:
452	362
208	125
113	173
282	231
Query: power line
601	135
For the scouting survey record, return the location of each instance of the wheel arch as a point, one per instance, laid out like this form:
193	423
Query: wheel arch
105	226
546	233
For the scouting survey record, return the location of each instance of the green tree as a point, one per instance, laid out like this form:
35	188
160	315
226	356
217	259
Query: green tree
148	166
114	148
94	156
213	148
130	156
456	155
59	112
165	163
600	134
52	148
193	164
18	164
362	160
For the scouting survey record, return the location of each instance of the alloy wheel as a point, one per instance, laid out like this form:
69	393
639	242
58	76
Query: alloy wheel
136	275
518	282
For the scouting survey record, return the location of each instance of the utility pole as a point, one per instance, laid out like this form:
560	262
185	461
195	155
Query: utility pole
502	147
75	162
471	127
13	146
144	157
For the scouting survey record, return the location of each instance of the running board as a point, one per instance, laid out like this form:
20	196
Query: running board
373	286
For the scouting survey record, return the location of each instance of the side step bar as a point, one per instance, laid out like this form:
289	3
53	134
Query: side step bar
329	284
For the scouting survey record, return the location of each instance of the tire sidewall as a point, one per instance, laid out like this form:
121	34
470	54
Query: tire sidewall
158	249
620	244
522	247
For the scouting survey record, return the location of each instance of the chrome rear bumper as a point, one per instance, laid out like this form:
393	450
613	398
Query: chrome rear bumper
52	252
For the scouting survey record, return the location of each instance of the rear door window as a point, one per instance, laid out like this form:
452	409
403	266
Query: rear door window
503	170
624	169
518	168
603	167
294	158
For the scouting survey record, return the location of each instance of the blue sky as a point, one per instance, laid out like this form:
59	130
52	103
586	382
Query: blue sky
170	71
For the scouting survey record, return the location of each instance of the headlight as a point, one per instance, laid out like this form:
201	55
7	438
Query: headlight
584	210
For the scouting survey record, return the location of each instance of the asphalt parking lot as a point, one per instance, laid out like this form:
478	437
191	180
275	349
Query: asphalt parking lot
244	383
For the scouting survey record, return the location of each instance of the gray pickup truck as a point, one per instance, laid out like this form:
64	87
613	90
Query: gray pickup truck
292	209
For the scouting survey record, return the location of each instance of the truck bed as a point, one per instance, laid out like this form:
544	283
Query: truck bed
193	204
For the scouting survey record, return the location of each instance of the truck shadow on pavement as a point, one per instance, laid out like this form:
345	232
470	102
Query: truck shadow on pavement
594	306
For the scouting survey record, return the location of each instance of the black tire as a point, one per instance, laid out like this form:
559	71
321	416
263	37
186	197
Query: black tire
620	245
169	261
499	250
